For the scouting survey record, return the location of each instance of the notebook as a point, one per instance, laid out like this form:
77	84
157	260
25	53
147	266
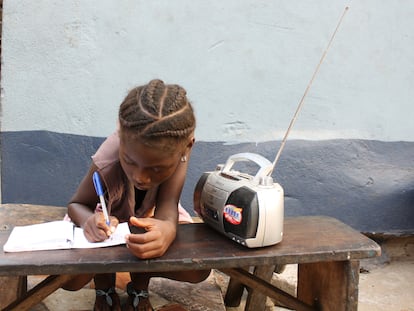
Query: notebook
59	234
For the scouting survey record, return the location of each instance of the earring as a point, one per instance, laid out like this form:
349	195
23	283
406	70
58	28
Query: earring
184	158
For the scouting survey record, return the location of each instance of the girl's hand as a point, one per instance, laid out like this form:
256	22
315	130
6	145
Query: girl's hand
155	241
96	229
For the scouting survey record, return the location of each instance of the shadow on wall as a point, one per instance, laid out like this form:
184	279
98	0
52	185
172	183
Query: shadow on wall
367	184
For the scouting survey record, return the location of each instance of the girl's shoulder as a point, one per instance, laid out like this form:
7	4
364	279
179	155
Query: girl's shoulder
108	152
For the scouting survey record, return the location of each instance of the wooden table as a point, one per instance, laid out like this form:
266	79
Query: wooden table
327	253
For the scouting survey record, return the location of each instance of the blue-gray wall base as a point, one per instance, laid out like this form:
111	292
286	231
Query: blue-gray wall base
366	184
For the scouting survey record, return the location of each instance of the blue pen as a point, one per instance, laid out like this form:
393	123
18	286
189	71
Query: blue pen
100	193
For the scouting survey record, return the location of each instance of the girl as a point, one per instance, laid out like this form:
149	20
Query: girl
143	167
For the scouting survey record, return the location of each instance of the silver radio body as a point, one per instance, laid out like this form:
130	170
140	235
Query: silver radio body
247	209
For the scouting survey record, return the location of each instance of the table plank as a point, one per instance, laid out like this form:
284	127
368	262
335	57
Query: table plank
197	246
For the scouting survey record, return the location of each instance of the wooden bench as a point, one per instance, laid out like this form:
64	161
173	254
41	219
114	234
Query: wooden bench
326	250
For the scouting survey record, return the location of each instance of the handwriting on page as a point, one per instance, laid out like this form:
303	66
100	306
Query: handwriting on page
117	238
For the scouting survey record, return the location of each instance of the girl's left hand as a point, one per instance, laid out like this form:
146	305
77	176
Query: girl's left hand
155	241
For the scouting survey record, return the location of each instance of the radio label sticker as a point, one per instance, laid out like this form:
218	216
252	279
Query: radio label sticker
233	214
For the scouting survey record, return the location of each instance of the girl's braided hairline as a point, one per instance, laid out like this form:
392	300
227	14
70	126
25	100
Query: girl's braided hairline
157	110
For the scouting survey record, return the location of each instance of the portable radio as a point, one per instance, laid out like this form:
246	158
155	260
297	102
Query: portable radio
247	209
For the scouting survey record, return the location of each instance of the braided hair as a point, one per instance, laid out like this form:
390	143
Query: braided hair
157	111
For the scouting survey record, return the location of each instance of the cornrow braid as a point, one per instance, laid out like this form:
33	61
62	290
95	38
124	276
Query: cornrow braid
157	110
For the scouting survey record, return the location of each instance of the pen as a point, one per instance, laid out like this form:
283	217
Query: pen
100	193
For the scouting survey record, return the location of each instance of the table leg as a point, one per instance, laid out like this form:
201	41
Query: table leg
12	288
256	300
234	293
329	285
38	293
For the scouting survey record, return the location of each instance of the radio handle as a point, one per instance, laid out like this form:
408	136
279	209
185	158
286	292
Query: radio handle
265	165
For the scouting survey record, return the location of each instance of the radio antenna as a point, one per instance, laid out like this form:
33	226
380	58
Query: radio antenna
306	92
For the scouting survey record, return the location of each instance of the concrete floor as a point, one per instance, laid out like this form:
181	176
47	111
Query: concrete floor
386	284
386	288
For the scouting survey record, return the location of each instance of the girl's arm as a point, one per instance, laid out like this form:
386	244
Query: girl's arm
81	210
169	194
162	229
83	202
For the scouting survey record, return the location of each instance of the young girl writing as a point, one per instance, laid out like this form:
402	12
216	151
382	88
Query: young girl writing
143	167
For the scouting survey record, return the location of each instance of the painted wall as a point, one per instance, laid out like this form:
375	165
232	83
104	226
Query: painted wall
66	65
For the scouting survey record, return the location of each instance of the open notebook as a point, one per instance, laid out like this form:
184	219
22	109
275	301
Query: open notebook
59	234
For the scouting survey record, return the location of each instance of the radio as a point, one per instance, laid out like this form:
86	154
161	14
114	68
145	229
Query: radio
248	209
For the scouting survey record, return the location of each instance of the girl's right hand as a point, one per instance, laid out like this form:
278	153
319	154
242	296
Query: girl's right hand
95	228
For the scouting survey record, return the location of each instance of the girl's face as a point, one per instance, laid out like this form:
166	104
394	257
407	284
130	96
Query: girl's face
145	166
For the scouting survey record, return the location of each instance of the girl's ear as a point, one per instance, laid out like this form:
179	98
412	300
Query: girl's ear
189	145
191	142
